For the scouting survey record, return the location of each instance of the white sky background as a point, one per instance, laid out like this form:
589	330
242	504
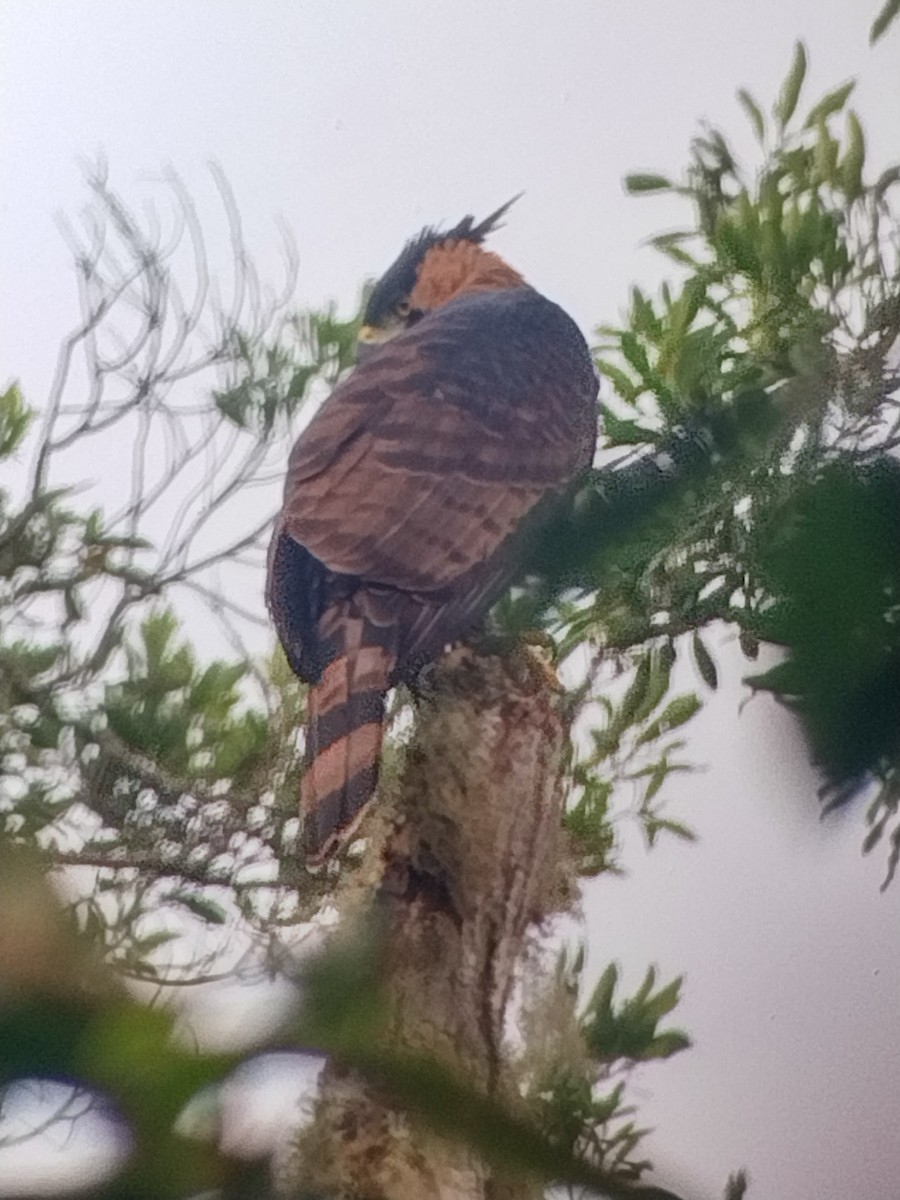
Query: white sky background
360	122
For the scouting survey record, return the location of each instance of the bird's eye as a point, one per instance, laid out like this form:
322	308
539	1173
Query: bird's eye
403	308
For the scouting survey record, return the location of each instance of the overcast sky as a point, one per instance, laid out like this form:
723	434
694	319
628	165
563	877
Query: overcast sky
358	122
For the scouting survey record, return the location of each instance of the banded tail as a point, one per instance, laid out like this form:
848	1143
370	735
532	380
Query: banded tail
345	724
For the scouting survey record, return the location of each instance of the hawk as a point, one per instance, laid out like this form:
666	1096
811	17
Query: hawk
412	493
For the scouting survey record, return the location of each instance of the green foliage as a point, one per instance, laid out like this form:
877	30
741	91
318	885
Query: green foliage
630	1030
631	746
736	1188
271	378
118	748
172	780
587	822
704	661
774	345
832	103
182	773
64	1016
884	20
576	1061
770	263
754	114
14	420
646	183
786	104
183	716
829	561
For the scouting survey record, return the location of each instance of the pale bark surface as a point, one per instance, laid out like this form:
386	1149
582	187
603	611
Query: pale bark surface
467	865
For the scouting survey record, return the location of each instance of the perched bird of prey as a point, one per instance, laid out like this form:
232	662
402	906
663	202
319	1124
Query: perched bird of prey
412	493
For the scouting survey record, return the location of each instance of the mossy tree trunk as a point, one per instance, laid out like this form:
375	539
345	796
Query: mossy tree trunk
469	863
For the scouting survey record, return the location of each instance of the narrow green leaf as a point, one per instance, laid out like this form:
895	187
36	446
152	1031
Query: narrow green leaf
636	692
854	157
644	182
736	1187
643	319
624	385
657	779
886	180
884	19
623	433
754	114
668	244
737	247
825	154
658	684
15	418
677	712
663	240
641	996
786	104
666	999
601	1000
704	661
874	836
604	1109
201	906
146	945
665	1044
635	355
831	103
676	828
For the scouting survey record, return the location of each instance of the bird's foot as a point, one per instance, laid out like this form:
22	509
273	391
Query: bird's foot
538	656
533	648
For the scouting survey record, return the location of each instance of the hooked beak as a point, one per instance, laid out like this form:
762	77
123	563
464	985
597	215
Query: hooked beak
369	338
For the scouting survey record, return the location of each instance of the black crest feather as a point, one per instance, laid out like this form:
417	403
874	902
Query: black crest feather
400	278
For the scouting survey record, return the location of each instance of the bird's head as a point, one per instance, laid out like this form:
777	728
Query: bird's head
432	269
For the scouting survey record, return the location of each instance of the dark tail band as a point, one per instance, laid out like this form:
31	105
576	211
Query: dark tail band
343	742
